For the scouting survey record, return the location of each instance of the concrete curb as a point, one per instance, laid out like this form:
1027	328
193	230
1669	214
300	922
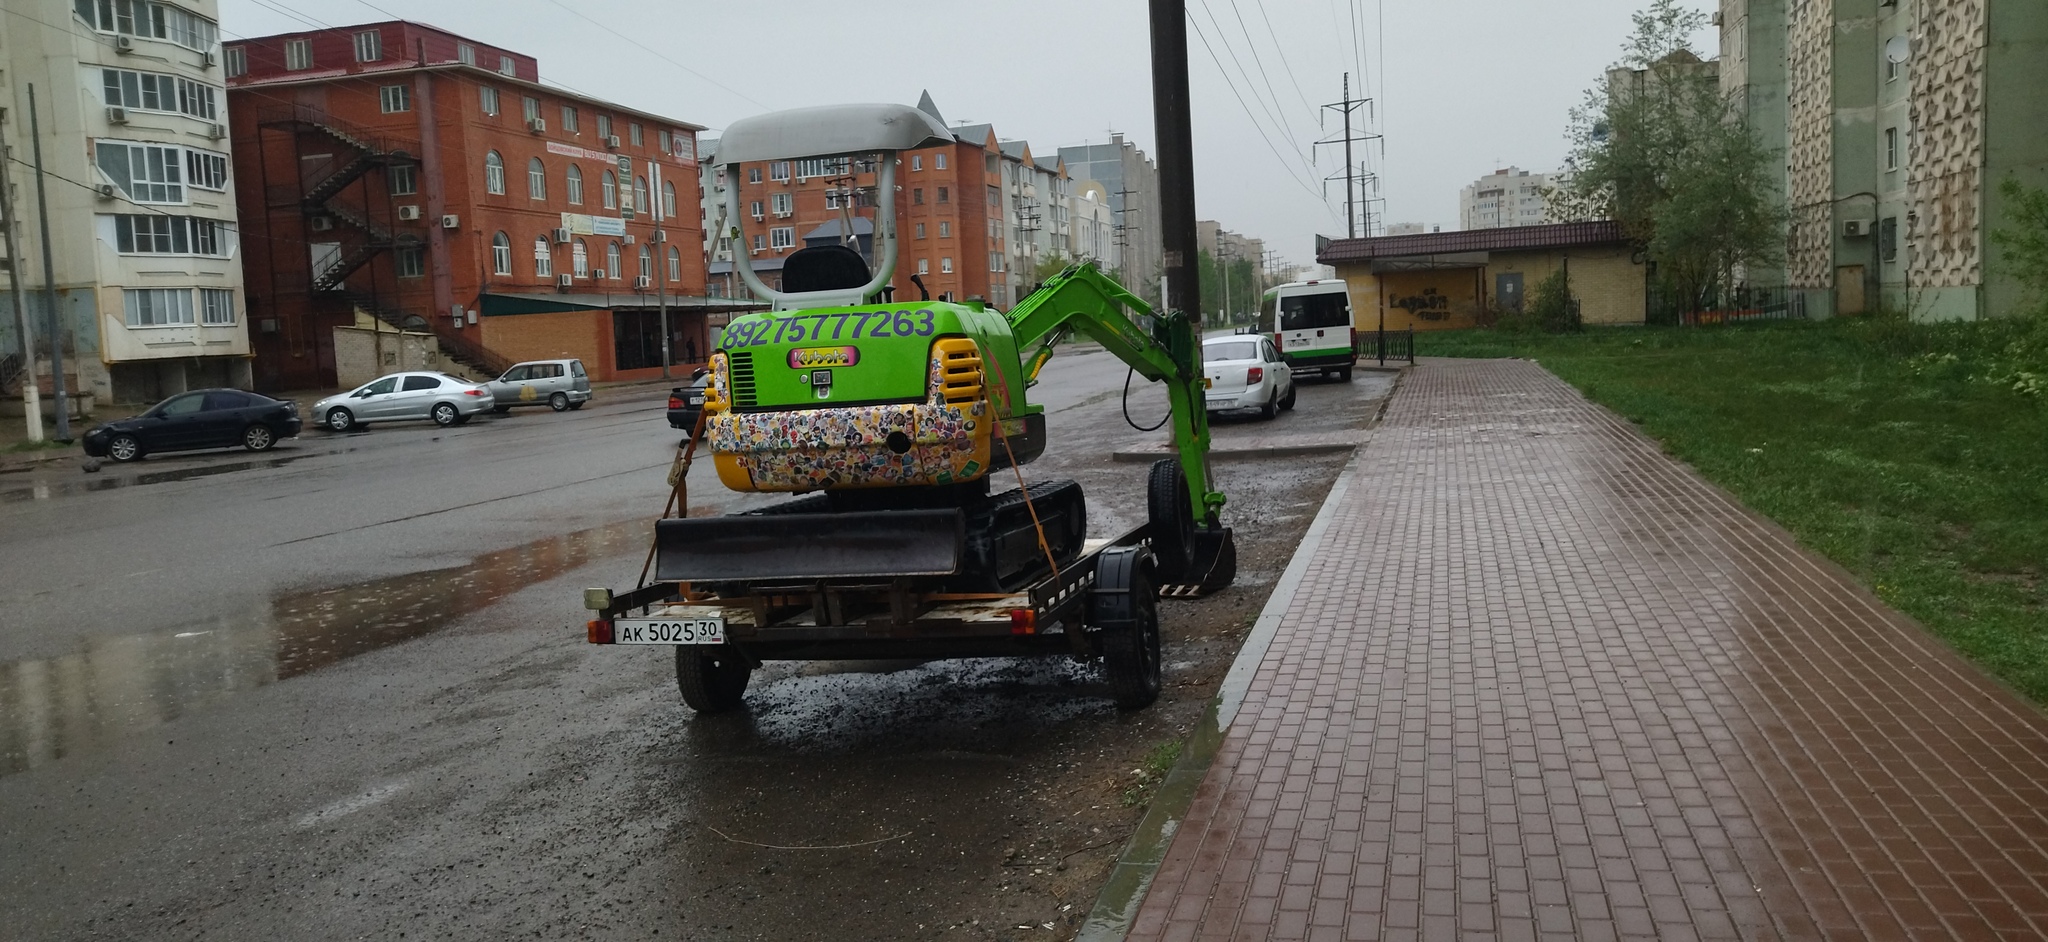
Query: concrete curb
1139	861
1233	454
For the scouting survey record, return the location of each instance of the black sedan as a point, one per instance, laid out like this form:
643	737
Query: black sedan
204	418
686	402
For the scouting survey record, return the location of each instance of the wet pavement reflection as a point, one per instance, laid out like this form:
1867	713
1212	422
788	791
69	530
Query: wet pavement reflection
46	490
66	705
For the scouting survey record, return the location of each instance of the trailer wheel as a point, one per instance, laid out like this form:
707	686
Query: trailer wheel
1125	610
713	680
1172	516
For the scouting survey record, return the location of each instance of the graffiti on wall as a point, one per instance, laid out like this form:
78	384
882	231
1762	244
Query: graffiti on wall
1429	305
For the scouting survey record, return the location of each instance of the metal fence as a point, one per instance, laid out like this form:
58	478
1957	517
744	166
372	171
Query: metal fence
1723	307
1384	345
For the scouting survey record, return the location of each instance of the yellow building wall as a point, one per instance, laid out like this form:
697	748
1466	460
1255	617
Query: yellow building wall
1608	284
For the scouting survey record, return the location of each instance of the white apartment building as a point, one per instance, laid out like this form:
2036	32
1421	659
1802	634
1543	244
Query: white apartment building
1510	197
1036	213
1092	226
133	120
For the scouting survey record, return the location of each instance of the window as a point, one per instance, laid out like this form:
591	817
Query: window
646	262
781	237
612	261
1891	148
755	208
760	242
530	108
403	179
753	174
939	163
575	177
151	21
823	167
639	194
610	185
946	264
943	196
148	91
668	198
395	98
995	196
148	173
298	54
157	234
501	254
675	265
920	230
604	126
157	307
216	306
917	196
506	66
945	230
543	258
536	179
206	170
924	266
637	138
784	203
569	118
579	259
779	170
488	97
411	261
466	54
1893	69
237	60
916	162
415	383
494	173
369	46
995	261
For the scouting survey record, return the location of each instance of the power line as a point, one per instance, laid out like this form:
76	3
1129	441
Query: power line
658	54
1285	59
1248	114
1253	44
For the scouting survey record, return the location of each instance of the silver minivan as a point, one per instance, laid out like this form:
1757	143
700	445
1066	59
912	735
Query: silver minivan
562	384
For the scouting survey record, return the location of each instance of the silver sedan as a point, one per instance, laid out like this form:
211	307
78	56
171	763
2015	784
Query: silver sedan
447	400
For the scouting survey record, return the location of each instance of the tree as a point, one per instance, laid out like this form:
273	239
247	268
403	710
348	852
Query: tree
1658	148
2025	242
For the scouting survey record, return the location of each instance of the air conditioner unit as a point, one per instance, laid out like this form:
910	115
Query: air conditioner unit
537	125
758	217
643	282
629	238
1717	18
104	191
598	274
660	235
612	142
785	214
562	238
564	281
451	221
408	212
216	131
117	114
1854	228
124	44
320	224
212	57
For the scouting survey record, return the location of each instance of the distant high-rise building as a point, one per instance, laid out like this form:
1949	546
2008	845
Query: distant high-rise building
1131	181
1510	197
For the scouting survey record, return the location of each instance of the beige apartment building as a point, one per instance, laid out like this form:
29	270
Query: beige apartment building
1510	197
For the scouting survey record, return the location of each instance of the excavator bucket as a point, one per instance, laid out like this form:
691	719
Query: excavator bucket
786	548
1214	566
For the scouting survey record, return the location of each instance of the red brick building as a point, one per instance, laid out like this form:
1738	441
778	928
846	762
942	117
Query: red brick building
949	216
432	181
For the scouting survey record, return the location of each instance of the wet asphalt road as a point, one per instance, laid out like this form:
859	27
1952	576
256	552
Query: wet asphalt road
338	691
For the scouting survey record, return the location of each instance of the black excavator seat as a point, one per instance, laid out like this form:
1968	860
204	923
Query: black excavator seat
824	268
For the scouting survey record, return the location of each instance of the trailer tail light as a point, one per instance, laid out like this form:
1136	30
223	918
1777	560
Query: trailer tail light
1254	374
1023	621
600	631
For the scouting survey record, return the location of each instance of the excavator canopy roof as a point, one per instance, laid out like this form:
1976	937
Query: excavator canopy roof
829	131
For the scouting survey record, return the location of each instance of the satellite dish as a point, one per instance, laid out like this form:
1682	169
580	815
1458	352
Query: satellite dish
1898	49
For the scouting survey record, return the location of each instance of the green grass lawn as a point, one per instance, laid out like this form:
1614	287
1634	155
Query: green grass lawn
1914	455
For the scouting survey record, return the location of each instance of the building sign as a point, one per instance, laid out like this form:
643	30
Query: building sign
581	224
571	150
685	145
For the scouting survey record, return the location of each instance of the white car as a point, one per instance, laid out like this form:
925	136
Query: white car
1244	372
447	400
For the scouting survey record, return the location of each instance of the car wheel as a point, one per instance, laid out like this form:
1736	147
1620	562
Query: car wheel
258	438
1270	409
124	448
1344	375
464	419
1287	401
340	420
559	402
444	414
501	410
576	405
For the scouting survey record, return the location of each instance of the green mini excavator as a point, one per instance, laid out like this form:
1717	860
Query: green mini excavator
889	419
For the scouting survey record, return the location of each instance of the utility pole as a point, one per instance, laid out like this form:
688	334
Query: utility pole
654	203
31	405
1172	121
1346	107
62	403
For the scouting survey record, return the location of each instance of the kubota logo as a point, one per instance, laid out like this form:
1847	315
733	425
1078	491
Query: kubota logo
804	358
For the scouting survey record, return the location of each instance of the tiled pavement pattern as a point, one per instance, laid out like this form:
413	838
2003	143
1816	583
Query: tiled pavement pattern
1543	682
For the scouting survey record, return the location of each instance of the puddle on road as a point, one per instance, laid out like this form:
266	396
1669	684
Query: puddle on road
62	706
46	491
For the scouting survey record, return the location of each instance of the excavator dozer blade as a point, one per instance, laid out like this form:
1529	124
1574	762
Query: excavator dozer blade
802	547
1214	566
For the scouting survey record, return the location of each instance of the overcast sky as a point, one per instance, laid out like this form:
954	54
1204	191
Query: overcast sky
1469	85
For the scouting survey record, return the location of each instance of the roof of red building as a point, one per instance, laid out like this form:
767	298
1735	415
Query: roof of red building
1554	236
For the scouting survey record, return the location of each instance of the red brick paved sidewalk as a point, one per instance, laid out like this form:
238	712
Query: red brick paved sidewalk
1542	681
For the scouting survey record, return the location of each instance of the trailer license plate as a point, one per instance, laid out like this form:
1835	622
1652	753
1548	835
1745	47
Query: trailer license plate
668	631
